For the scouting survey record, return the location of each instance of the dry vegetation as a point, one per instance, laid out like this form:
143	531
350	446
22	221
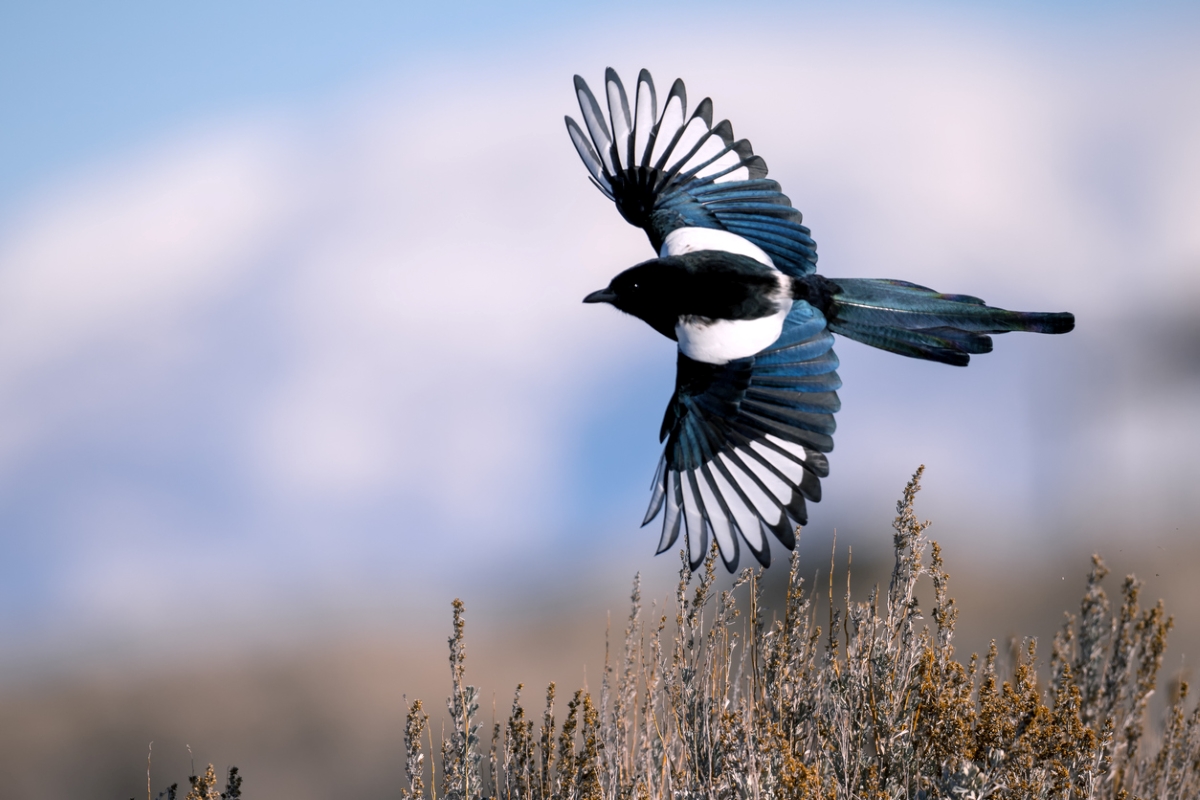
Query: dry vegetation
718	704
203	787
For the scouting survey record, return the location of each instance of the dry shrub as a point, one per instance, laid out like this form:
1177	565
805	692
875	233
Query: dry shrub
876	706
203	787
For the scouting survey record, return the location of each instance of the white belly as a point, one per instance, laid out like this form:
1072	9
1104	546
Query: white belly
722	340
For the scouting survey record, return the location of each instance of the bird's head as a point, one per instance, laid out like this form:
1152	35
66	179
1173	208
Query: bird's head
649	291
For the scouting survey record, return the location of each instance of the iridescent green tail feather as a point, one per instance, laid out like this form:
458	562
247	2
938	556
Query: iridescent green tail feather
918	322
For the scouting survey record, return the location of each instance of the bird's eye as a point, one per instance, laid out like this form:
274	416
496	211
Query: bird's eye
635	286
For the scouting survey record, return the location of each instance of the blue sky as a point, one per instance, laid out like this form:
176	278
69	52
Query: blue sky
289	294
80	81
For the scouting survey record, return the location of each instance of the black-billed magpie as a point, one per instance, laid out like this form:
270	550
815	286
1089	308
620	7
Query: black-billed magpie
735	285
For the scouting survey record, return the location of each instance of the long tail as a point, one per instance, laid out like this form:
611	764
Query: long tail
918	322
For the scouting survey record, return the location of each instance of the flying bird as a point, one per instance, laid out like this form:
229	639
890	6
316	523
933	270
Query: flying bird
751	420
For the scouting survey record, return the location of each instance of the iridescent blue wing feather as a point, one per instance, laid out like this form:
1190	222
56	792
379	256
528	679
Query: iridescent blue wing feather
745	444
676	170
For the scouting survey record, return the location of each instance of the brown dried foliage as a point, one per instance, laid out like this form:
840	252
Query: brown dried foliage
877	707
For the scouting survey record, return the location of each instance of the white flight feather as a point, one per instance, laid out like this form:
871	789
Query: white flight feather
790	469
775	485
673	509
692	519
743	515
798	450
716	516
763	504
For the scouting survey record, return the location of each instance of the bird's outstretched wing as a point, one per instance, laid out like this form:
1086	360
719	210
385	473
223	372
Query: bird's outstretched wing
677	171
746	442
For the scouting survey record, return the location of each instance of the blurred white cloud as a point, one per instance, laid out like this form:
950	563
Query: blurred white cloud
306	349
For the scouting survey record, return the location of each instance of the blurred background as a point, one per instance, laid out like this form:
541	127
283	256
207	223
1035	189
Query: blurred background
292	350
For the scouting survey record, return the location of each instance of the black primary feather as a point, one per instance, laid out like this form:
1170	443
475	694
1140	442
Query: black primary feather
684	171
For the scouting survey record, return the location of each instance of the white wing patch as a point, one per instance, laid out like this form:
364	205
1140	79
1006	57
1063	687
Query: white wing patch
672	120
693	519
717	520
688	240
775	485
789	468
673	515
797	450
743	515
721	499
644	116
764	505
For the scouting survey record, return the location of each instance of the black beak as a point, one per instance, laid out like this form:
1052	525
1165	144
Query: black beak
602	296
